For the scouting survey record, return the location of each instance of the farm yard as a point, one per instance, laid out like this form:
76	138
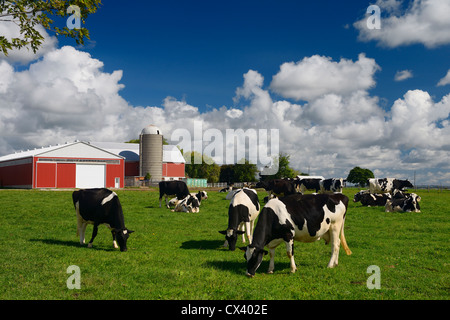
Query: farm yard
174	255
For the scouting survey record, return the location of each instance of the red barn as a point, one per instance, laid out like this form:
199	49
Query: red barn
71	165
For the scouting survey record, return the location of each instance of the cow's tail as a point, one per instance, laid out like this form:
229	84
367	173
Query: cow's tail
343	241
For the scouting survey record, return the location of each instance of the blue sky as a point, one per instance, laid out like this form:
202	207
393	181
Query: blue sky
339	93
199	50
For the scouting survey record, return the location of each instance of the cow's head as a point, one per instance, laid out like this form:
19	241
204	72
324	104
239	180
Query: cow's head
254	257
122	235
231	237
412	203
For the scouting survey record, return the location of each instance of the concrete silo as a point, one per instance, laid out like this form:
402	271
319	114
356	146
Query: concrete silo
151	152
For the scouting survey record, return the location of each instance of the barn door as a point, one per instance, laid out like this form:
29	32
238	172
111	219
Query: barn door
90	176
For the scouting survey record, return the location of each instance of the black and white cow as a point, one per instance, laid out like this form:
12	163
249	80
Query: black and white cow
331	185
279	187
305	218
308	184
171	188
189	204
242	212
387	185
371	199
201	195
100	206
410	203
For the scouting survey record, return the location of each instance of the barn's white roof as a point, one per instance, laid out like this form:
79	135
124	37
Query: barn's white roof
104	150
77	149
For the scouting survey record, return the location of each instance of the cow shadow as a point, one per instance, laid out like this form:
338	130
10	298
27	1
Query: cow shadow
202	244
237	267
67	243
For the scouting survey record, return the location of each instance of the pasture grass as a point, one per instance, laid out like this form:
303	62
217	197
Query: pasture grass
180	255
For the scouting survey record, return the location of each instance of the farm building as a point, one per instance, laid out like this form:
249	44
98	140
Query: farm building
89	165
71	165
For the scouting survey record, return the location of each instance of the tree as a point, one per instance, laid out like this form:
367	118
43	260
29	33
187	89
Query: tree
28	14
359	175
207	169
284	170
244	172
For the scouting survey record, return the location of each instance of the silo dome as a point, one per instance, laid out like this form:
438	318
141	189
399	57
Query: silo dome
151	152
151	129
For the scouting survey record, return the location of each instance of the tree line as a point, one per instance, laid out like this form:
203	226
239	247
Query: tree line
246	171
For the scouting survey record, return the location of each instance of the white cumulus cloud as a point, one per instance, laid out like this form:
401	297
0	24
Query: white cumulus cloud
445	80
403	75
316	76
422	22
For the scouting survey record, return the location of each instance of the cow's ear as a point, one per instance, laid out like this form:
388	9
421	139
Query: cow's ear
223	232
130	231
240	232
243	248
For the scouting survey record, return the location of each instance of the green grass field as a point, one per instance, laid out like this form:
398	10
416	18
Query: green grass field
180	255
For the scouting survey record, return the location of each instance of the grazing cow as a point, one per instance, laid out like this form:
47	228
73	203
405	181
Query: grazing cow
170	188
278	187
387	185
371	199
308	184
410	203
331	185
305	218
189	204
100	206
242	212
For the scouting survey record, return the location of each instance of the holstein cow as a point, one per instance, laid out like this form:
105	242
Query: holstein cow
242	212
201	195
100	206
387	185
189	204
331	185
170	188
371	199
278	187
308	184
305	218
408	204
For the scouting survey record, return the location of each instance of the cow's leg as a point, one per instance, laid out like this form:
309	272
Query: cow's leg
244	228
335	244
290	254
160	201
94	234
248	227
272	245
114	239
82	231
81	225
167	203
272	262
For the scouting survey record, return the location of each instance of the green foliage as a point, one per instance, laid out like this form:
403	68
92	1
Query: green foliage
202	167
284	170
28	14
180	255
359	175
240	172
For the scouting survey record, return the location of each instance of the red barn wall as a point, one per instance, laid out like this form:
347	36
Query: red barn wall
16	175
173	169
